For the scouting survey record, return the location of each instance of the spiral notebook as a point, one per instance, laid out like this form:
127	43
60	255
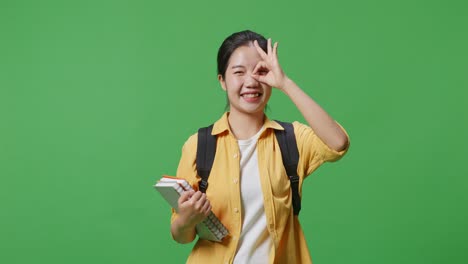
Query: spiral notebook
171	188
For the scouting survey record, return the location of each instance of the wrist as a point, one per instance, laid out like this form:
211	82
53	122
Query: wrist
182	233
182	224
287	85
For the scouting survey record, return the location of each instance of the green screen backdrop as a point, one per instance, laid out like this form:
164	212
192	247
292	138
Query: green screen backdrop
98	97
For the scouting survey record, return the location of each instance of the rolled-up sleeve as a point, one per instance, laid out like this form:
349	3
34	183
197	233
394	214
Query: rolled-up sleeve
313	152
187	168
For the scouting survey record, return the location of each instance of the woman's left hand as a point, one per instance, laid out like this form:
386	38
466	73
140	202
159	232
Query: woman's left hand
268	70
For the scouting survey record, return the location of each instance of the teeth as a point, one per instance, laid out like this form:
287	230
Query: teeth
252	95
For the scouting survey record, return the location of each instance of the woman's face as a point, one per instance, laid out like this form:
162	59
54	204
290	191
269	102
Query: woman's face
245	94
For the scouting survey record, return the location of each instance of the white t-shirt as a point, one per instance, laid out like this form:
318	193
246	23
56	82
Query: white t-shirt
254	242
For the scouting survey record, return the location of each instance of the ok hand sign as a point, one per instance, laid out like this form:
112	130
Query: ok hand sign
268	70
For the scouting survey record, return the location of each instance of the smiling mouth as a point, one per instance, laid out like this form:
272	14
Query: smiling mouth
251	95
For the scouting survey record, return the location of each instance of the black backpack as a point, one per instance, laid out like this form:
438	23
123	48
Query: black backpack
206	149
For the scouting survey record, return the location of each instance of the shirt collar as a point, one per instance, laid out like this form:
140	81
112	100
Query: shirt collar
223	125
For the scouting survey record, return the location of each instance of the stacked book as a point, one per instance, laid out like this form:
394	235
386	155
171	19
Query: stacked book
171	188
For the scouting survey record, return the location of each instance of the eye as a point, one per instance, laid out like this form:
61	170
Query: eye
238	72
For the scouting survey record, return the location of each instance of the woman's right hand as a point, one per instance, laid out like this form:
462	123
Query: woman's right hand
194	207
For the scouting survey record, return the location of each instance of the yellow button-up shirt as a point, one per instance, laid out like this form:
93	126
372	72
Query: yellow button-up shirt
289	245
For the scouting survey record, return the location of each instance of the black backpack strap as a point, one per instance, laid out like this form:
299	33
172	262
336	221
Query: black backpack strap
206	150
290	154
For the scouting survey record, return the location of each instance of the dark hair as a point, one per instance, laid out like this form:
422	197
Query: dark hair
234	41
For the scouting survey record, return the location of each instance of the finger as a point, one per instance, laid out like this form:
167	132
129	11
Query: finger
195	197
199	204
275	49
185	196
260	50
260	78
260	65
206	205
269	46
207	209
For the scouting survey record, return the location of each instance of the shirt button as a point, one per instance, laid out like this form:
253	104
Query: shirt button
235	155
236	210
235	181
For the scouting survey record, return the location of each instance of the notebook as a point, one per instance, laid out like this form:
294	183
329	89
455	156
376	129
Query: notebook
171	188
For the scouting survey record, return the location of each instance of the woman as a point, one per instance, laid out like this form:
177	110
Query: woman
248	187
